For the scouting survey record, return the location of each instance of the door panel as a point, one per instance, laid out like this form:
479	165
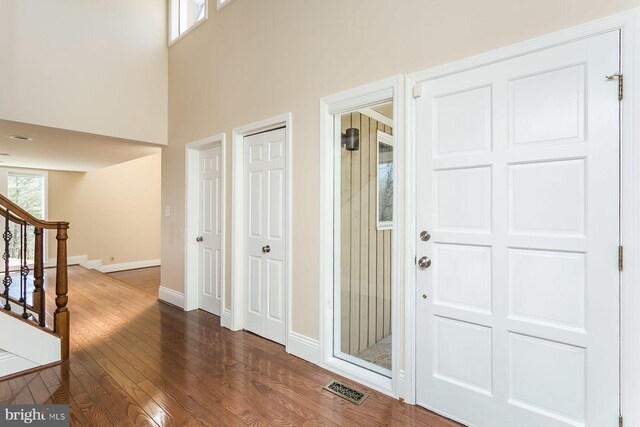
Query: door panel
255	285
265	200
518	186
210	229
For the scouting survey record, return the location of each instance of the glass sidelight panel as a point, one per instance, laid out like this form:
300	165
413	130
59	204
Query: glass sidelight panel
364	230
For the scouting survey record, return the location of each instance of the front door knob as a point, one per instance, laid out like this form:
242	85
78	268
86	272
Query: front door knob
266	249
199	239
424	262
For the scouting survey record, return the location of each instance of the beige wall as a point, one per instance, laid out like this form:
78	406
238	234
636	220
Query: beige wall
114	212
96	66
259	58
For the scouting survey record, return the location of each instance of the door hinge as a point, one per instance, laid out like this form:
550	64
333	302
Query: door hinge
620	78
620	421
620	258
417	91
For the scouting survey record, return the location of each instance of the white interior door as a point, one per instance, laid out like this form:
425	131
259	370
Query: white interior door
265	234
210	230
517	317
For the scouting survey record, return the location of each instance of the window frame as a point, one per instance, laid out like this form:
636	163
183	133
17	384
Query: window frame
386	139
5	172
220	4
174	21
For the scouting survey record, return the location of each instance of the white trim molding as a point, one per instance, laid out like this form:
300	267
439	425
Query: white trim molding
304	347
238	211
391	89
96	264
192	215
82	260
110	268
171	296
225	319
629	25
222	3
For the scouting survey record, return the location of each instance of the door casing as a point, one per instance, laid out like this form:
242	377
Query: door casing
629	25
192	217
355	100
235	320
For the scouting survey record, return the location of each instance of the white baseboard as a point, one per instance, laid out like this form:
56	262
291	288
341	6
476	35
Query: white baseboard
72	260
172	297
129	265
401	389
96	264
304	347
92	264
225	319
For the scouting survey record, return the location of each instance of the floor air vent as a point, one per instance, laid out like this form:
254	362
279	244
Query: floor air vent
346	392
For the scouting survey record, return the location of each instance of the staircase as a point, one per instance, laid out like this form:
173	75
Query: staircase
31	335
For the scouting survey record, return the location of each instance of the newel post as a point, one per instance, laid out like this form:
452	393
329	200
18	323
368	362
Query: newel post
38	276
61	316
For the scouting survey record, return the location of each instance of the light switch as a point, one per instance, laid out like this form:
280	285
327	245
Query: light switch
167	211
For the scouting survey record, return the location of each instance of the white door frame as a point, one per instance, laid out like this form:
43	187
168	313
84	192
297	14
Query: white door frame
192	217
238	211
629	25
353	100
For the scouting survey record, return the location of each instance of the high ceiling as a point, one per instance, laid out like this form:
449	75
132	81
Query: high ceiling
59	149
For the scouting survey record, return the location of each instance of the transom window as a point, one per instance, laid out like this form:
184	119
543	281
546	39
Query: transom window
185	14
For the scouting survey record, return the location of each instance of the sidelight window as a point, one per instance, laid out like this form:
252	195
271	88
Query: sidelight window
364	221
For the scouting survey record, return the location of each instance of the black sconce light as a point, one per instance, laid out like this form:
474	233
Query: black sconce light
351	139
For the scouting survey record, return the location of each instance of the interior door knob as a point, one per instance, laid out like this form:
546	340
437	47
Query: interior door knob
266	249
424	262
199	239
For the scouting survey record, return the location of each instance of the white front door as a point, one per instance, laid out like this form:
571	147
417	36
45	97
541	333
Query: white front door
265	237
210	230
517	316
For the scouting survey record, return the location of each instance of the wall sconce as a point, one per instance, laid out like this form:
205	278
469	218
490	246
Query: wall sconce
351	139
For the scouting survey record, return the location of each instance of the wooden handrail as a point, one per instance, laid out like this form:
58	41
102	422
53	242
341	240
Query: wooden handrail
6	213
25	216
14	213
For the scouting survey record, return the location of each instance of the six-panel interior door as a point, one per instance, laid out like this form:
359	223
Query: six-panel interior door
517	316
265	234
210	246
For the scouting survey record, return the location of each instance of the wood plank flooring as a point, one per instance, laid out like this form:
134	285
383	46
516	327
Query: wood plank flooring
145	279
135	361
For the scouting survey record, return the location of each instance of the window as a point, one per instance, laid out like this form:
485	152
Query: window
223	3
185	14
363	219
385	181
27	190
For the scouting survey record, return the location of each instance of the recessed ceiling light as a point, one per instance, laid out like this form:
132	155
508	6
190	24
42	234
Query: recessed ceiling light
20	137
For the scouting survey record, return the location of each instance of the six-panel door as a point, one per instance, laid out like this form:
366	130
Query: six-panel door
265	236
210	249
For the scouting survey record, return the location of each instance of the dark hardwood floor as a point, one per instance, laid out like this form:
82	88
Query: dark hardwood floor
135	361
144	279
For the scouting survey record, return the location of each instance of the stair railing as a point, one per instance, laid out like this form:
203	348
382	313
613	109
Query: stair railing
17	221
